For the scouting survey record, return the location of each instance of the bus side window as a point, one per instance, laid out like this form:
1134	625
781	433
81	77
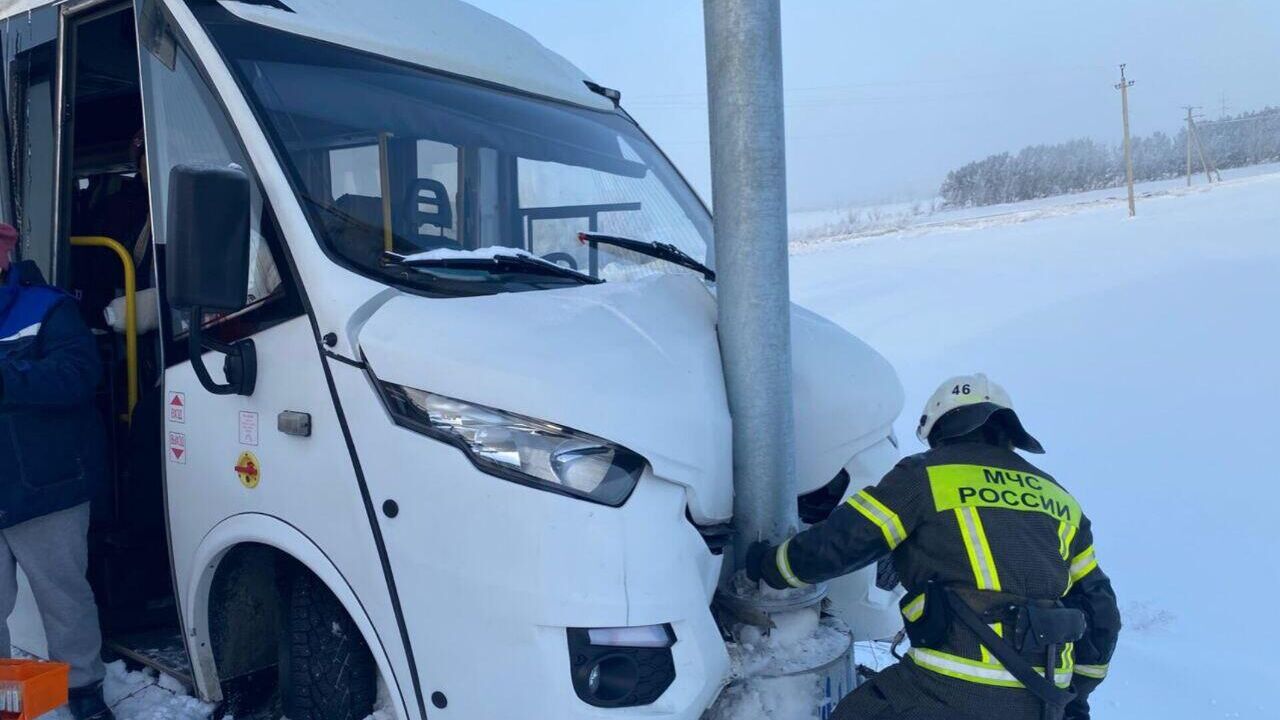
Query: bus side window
186	124
30	54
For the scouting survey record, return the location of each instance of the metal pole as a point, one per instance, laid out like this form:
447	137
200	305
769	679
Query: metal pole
1208	168
1128	157
749	195
1189	109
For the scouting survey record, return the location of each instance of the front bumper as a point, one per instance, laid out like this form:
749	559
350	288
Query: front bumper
492	574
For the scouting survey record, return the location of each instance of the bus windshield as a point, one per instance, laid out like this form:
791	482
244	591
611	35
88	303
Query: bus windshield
394	162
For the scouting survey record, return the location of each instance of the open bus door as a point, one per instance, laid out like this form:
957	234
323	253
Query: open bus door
73	188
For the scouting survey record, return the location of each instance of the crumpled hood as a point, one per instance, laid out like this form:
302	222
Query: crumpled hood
637	363
847	397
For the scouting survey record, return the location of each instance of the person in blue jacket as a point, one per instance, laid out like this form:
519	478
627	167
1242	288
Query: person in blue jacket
52	457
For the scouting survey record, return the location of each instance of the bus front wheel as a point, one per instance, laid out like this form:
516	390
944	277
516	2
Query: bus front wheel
326	669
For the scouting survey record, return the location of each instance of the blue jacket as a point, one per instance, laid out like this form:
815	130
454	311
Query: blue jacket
52	451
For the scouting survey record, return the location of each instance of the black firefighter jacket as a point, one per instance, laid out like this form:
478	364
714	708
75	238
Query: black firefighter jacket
982	520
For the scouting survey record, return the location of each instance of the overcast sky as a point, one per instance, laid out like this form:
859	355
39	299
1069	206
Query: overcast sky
885	96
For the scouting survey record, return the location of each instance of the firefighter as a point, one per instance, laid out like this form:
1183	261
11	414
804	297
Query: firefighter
1008	612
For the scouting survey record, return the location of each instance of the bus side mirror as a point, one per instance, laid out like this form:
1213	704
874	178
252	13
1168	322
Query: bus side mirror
207	264
207	232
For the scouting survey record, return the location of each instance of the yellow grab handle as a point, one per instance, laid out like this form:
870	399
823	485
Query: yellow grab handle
130	311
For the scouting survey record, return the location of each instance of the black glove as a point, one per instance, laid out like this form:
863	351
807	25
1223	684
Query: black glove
887	577
762	564
756	555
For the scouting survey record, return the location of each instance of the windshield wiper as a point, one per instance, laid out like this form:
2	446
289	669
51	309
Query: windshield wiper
662	251
514	263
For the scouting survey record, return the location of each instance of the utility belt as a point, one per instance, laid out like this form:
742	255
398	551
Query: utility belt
1038	629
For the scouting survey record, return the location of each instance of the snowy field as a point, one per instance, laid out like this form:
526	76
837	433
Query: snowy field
1144	355
811	230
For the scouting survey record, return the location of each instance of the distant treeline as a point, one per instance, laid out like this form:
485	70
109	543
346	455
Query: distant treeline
1079	165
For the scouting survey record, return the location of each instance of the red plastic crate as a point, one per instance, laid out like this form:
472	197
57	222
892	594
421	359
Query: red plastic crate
43	686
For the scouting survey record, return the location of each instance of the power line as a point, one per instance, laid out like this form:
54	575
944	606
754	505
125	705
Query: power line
1246	118
835	100
699	95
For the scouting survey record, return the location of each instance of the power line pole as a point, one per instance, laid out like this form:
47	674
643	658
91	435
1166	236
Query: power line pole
1223	98
1123	86
1209	169
1190	125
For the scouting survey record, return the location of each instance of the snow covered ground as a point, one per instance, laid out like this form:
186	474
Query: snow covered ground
144	695
811	230
1144	354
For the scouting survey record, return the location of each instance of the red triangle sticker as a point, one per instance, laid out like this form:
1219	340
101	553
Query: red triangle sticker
176	401
177	452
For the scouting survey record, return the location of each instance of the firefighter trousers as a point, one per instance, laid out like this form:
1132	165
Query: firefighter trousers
907	692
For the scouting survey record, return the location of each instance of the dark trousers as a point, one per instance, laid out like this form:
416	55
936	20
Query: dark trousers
907	692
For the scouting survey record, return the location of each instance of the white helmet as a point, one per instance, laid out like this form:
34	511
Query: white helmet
968	402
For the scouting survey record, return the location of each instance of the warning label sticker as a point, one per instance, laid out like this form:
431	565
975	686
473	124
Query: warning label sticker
177	448
248	470
248	428
176	407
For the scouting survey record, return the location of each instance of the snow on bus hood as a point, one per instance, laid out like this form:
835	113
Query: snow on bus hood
637	363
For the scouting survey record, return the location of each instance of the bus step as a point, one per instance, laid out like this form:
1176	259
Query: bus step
161	649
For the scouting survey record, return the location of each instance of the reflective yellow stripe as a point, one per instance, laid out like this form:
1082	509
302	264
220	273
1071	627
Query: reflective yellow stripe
913	610
784	566
1066	535
880	516
1083	564
975	543
984	673
987	657
1097	672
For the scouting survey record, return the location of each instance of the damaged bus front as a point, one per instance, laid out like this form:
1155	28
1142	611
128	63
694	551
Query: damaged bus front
441	322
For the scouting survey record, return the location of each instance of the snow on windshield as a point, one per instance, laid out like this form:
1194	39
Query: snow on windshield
487	253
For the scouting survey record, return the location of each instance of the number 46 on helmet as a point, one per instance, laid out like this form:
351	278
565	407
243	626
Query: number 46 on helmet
965	403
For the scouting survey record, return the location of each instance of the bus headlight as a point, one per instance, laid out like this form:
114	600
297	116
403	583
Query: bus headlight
522	449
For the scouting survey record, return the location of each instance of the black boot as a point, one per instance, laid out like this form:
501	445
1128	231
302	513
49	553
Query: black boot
86	703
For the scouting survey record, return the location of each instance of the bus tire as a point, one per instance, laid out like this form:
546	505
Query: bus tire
326	669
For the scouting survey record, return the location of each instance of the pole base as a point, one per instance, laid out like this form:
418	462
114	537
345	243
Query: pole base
755	603
800	671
